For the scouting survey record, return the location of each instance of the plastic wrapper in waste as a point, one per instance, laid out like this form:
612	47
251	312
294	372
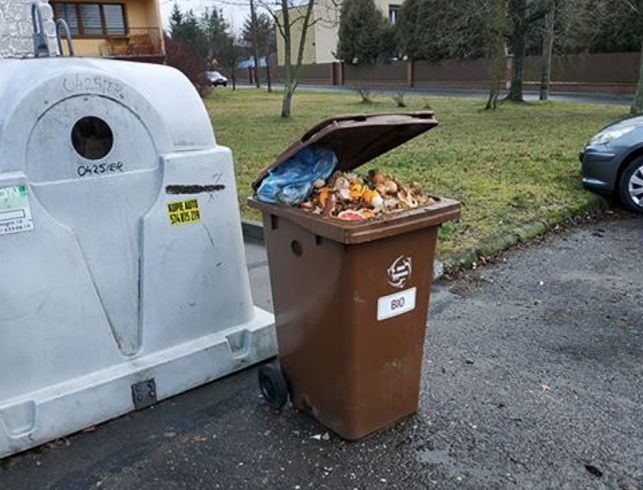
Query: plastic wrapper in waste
349	196
292	182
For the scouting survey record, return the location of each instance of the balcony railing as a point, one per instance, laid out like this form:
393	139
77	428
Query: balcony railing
139	41
136	42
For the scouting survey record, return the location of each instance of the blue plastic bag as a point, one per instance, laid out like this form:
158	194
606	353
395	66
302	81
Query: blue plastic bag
292	181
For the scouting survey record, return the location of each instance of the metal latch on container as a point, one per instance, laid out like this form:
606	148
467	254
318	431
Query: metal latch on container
144	394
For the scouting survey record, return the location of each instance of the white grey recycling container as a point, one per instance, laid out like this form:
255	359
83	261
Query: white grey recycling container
123	278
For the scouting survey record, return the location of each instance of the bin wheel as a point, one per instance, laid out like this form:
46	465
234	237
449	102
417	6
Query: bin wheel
273	385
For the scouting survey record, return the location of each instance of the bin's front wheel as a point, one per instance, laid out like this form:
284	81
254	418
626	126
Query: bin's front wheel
273	385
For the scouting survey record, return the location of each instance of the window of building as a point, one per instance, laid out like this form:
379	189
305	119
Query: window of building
68	12
114	20
92	19
393	13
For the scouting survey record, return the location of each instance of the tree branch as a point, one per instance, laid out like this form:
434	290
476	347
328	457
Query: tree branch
302	42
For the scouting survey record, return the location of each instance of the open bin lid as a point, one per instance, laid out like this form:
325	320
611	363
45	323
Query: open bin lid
358	139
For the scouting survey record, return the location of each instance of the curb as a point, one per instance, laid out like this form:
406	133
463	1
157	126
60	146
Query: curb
521	234
253	230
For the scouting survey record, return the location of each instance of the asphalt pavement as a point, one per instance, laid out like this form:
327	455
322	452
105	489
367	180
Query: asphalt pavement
533	378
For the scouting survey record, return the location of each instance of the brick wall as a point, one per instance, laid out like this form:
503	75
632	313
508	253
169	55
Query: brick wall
15	28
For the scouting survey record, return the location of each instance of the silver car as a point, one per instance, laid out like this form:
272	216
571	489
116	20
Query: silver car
216	78
613	162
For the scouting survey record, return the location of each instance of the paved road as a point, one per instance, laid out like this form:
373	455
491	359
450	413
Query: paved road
533	378
579	98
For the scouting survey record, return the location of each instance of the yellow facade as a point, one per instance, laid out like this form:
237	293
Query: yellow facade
297	15
142	36
321	38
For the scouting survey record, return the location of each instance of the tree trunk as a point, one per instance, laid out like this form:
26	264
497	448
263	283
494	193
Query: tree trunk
519	43
286	103
497	69
291	74
548	48
234	81
637	103
255	48
268	77
496	53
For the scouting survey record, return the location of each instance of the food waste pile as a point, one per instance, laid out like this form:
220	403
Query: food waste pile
310	180
349	196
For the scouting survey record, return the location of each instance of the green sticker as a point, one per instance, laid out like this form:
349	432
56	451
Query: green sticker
15	211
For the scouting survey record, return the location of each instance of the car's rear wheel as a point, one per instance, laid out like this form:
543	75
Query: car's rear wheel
631	186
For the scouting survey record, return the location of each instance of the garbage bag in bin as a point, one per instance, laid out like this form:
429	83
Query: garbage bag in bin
351	297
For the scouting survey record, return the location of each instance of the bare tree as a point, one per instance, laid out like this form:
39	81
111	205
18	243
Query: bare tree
268	33
398	98
521	14
254	42
548	49
365	95
291	18
518	19
496	53
231	53
259	34
268	75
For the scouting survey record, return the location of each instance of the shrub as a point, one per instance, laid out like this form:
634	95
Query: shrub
398	98
366	95
188	63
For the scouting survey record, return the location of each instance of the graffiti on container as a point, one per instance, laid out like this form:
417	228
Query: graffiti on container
193	189
400	271
183	212
93	83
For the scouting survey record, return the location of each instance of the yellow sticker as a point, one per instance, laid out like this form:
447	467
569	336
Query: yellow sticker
182	212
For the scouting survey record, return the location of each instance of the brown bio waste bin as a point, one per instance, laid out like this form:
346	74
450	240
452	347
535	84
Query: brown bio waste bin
351	298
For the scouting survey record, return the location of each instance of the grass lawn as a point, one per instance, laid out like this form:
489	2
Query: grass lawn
508	167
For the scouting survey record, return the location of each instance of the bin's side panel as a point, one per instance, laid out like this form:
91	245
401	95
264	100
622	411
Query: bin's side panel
308	279
194	279
351	323
390	289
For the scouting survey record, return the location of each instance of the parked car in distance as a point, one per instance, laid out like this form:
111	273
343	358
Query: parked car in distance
216	78
613	162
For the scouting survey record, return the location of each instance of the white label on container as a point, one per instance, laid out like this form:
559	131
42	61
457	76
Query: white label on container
15	212
396	304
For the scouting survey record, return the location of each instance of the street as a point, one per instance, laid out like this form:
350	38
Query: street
530	95
533	378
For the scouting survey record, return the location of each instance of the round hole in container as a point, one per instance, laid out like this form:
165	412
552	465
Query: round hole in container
296	248
92	138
